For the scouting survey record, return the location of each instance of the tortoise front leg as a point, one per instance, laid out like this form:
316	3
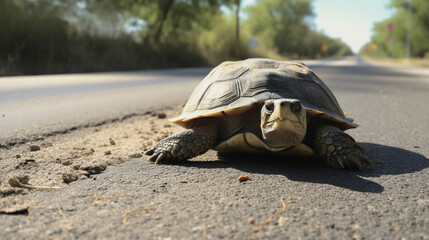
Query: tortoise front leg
339	149
184	145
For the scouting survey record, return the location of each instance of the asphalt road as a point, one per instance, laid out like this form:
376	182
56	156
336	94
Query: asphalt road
391	201
33	106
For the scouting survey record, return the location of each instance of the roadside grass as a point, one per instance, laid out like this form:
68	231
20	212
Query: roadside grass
402	61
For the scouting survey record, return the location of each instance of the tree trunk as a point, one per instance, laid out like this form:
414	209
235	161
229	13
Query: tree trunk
166	10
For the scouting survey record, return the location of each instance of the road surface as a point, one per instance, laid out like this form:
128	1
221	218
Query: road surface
31	106
148	201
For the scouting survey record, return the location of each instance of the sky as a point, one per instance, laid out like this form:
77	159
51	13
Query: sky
349	20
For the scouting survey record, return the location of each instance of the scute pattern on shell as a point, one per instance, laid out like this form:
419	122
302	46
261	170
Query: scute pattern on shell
234	85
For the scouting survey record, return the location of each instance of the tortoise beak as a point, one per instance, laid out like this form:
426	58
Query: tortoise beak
283	122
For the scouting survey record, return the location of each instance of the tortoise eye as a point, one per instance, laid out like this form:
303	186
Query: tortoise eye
296	107
269	107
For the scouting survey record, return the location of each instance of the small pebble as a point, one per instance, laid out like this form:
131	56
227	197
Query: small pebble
26	164
94	168
112	142
17	181
67	162
243	178
83	173
34	148
161	115
70	177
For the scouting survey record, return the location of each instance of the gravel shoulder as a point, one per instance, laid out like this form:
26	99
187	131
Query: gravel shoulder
56	161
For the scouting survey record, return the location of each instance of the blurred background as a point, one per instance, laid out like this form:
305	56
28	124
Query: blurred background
68	36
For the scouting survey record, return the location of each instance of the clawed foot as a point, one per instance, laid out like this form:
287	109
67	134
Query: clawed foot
155	157
166	150
348	158
339	149
183	145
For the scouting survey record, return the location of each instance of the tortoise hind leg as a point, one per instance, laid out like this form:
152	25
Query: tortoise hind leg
339	149
184	145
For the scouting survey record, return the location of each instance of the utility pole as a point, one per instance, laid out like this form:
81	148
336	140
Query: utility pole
408	43
237	28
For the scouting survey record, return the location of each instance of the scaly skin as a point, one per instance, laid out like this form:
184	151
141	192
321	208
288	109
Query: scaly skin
184	145
339	149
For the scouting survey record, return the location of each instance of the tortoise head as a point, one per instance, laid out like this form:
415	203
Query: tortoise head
283	122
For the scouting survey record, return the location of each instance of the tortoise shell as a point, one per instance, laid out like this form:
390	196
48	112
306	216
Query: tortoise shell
235	87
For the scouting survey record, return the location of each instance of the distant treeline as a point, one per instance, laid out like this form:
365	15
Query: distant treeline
409	24
44	36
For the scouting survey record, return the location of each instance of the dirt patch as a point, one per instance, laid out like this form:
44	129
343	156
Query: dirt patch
61	159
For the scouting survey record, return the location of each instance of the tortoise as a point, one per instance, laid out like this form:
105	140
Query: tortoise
263	106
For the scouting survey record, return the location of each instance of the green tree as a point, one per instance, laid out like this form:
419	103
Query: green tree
26	30
166	20
40	36
419	24
284	25
393	43
280	23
